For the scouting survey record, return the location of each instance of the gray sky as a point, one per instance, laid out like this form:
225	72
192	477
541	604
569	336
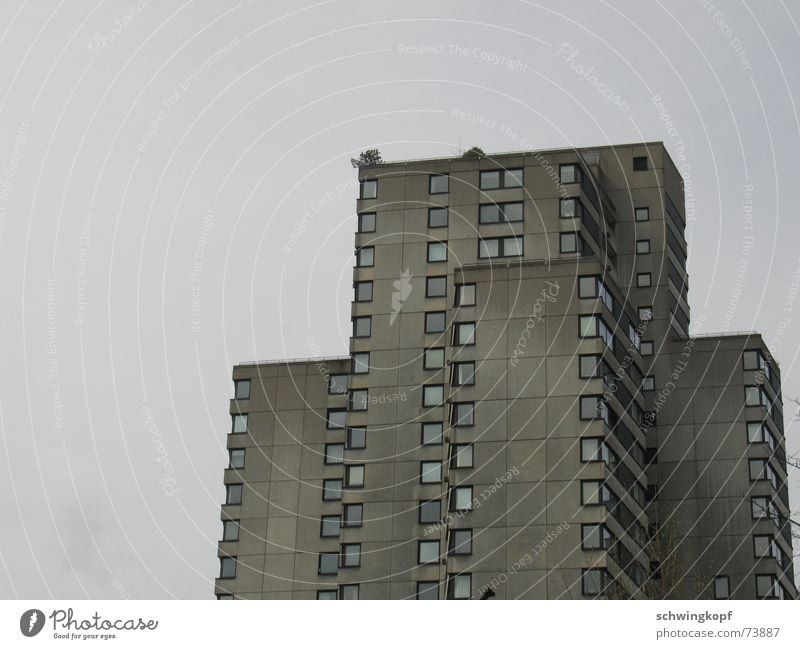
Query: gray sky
153	171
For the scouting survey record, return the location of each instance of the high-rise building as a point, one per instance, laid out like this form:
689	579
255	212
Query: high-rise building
523	413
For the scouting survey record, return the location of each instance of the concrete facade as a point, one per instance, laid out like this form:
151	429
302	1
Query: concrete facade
521	356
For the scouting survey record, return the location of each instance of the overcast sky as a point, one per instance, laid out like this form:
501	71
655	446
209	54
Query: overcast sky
156	158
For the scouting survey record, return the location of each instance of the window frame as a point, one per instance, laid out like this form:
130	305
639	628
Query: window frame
361	219
429	293
369	252
235	524
456	379
641	214
327	489
346	557
640	277
437	245
437	209
238	453
237	417
363	184
501	213
455	421
502	175
330	459
457	327
436	403
236	384
332	378
431	177
349	445
327	519
349	482
229	492
425	521
443	315
357	289
361	318
438	441
459	290
423	473
323	559
345	521
425	358
428	543
356	362
648	245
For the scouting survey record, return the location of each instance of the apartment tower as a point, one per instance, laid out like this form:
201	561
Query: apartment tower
524	411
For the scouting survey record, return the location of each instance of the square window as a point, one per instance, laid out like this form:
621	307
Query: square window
362	326
459	586
762	546
432	432
436	286
354	476
433	358
359	399
432	396
365	257
437	217
326	594
438	183
570	208
465	295
590	492
464	333
645	313
236	458
750	360
369	189
592	581
428	552
641	214
591	407
464	373
428	590
512	246
766	586
227	567
434	322
643	280
512	177
363	291
239	424
357	437
591	448
242	388
329	526
569	242
366	222
360	363
646	348
334	453
233	494
461	542
353	515
490	179
328	563
437	251
756	432
488	248
230	530
640	163
569	173
351	555
757	469
337	383
463	414
337	418
461	499
430	472
589	366
430	511
462	456
587	326
348	591
595	537
643	246
649	383
332	489
587	287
